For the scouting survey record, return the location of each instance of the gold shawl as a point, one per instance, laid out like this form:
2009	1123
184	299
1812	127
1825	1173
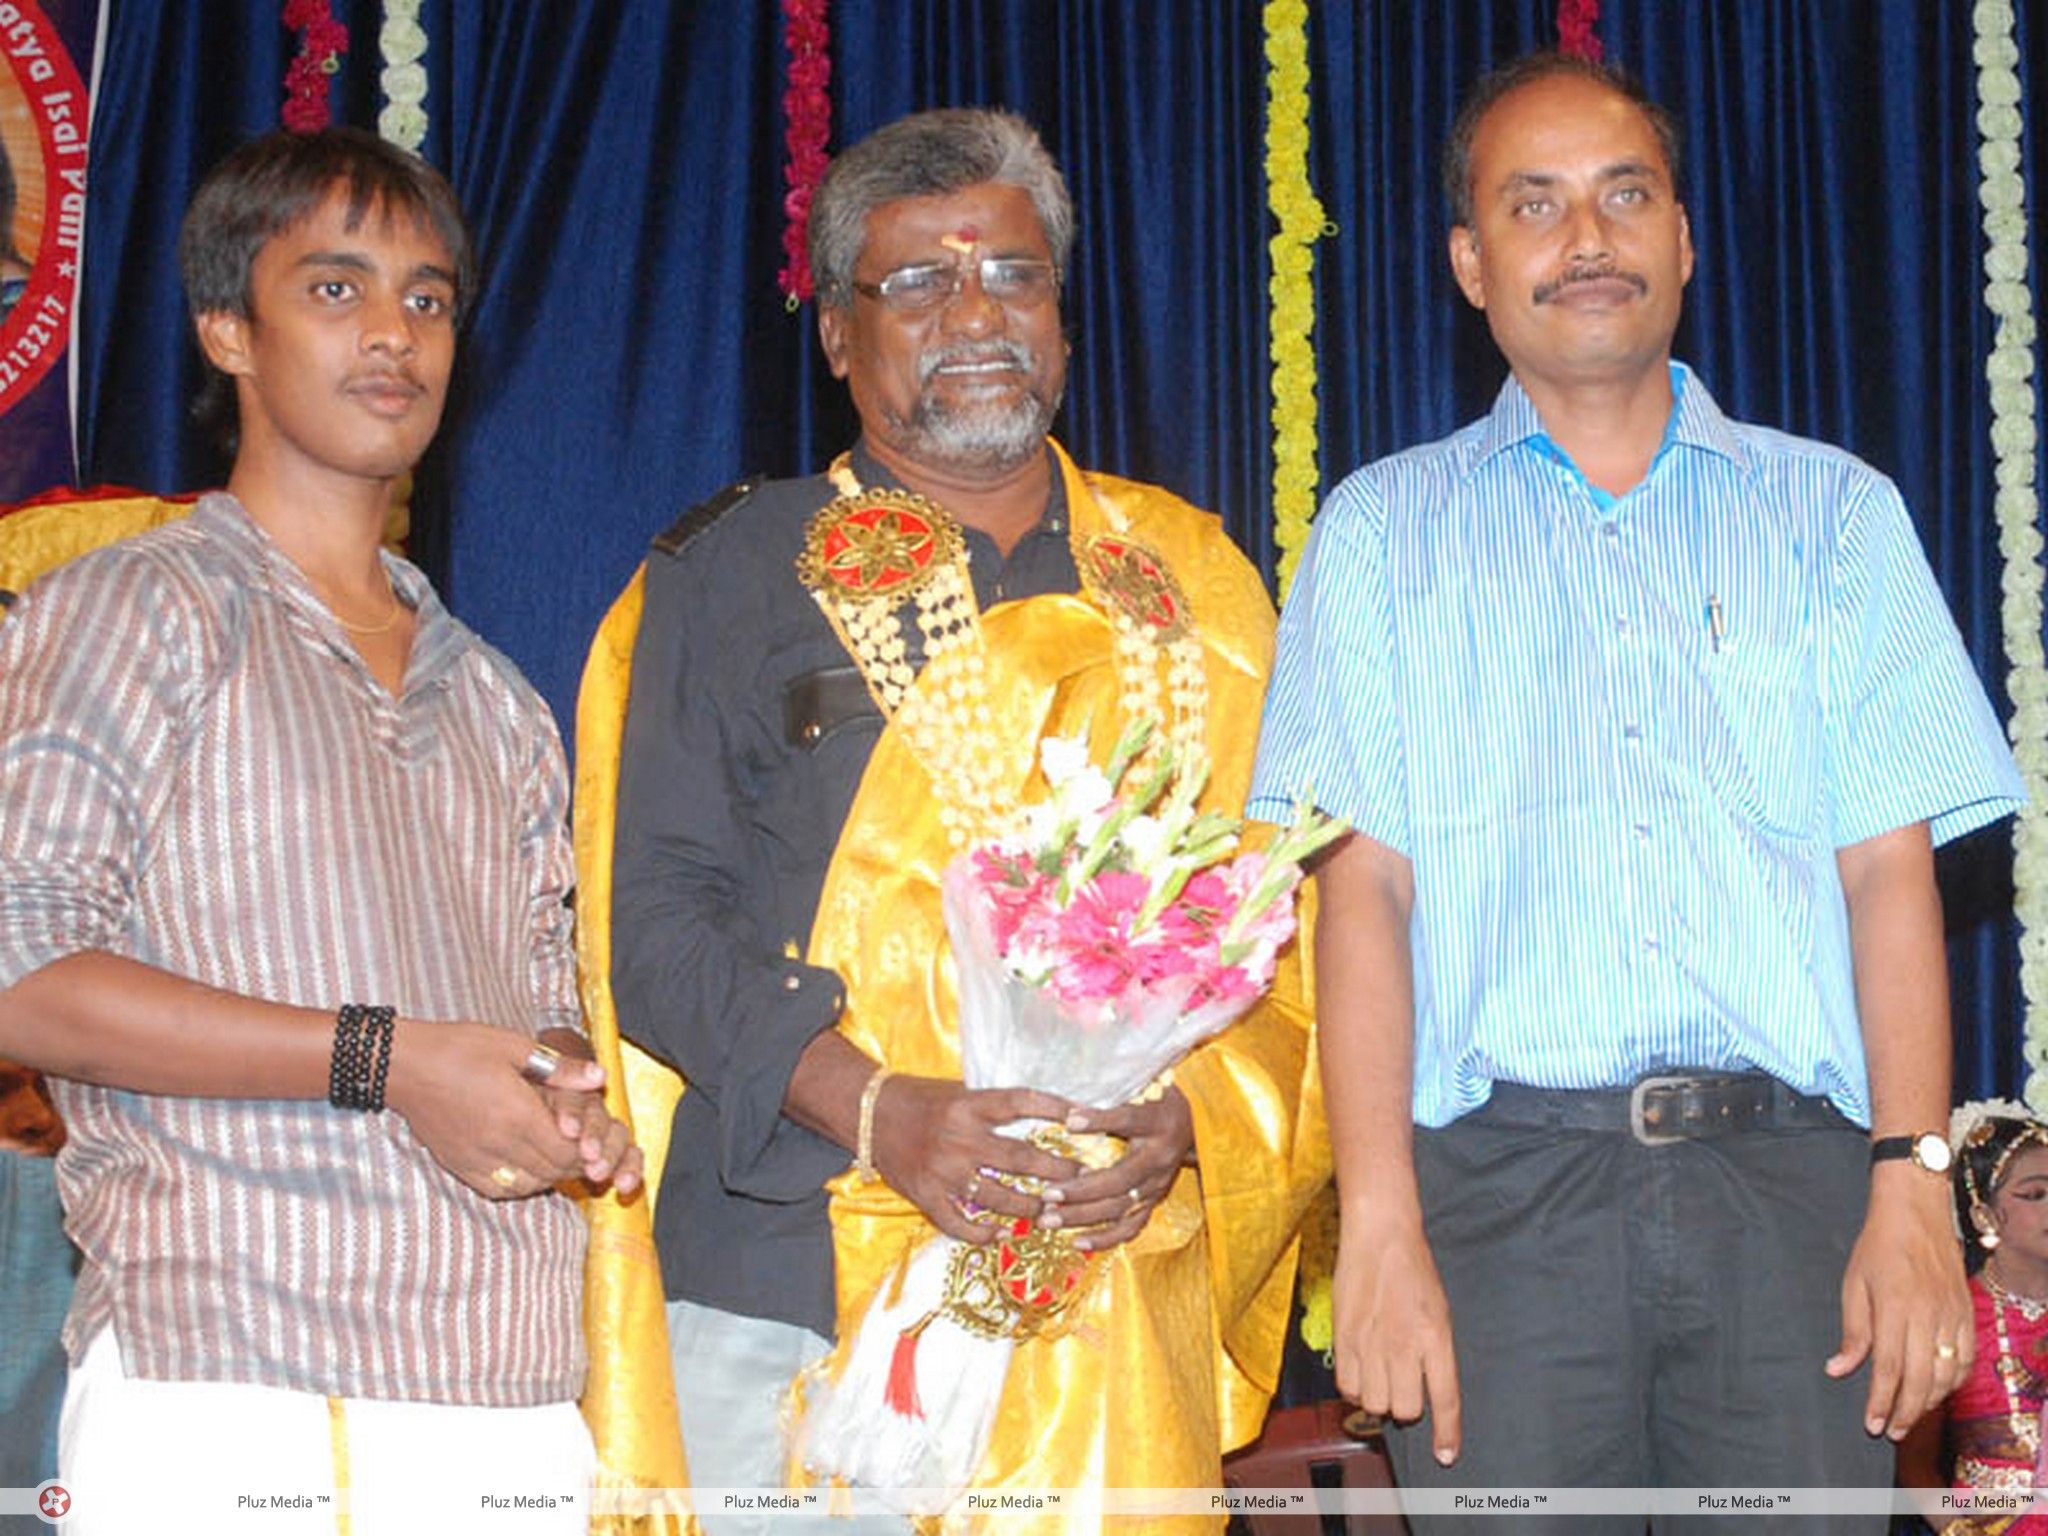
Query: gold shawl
629	1397
1176	1349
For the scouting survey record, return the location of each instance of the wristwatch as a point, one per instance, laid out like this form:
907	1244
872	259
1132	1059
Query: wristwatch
1928	1150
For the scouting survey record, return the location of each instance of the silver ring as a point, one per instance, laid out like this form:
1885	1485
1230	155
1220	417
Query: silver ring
1135	1197
505	1176
541	1063
1944	1351
973	1188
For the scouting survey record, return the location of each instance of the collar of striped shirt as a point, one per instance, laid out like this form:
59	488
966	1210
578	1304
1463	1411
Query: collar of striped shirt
438	642
1695	421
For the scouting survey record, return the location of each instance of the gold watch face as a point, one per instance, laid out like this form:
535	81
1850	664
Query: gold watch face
1930	1151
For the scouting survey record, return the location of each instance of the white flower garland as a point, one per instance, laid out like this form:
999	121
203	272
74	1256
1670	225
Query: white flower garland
402	42
2010	369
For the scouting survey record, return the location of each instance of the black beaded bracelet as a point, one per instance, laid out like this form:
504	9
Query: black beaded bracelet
341	1067
384	1021
362	1056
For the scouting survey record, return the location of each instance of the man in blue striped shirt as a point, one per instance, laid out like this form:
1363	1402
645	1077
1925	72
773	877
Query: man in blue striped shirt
1634	1005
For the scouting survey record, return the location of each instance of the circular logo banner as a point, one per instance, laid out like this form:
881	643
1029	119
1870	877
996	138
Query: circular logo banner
42	196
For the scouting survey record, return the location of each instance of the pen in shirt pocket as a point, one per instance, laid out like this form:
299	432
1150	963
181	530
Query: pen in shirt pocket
1717	623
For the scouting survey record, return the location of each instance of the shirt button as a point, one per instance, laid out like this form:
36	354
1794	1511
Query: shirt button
1653	944
1643	831
792	982
1621	624
1610	530
1631	732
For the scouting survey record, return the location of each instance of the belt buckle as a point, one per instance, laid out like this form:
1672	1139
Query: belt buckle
1640	1128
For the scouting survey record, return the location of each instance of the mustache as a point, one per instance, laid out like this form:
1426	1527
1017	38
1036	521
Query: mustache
1014	353
1607	272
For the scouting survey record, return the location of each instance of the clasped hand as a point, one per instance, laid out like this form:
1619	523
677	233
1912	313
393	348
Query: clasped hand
937	1144
463	1090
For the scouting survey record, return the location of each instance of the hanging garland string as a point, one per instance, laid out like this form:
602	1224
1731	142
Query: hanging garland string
1576	21
322	42
2010	369
402	44
1300	223
807	117
401	47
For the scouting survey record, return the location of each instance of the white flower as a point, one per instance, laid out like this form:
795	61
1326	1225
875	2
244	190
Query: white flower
1063	758
1146	839
1965	1118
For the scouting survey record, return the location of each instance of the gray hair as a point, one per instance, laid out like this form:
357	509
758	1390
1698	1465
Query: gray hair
930	154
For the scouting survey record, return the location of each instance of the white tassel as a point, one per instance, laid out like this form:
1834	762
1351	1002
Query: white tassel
917	1462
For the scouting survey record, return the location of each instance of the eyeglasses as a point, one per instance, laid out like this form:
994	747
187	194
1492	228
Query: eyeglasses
1017	281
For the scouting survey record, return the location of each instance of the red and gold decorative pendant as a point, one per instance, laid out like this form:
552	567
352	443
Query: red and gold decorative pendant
877	545
1016	1286
1137	582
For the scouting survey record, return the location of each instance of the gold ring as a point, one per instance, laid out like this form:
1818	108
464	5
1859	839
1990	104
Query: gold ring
973	1187
1944	1351
505	1176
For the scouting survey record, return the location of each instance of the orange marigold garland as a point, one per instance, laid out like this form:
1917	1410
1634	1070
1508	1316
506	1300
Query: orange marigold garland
322	42
807	114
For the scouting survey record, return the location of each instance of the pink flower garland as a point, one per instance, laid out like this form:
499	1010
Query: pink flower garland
322	42
1576	20
807	111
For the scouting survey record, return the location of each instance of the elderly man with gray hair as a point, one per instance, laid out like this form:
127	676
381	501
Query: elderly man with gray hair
789	792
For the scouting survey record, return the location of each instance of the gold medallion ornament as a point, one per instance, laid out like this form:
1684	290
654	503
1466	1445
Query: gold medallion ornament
879	544
1139	585
871	554
1151	615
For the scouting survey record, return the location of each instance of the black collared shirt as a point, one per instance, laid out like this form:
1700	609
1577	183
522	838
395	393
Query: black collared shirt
745	742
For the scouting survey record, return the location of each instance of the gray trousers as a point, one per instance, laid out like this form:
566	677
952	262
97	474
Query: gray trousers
1637	1316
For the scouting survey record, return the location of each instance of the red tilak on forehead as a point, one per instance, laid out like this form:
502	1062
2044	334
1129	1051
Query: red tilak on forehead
965	239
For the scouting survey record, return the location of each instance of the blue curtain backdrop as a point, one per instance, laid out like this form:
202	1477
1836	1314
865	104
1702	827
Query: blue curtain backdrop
630	352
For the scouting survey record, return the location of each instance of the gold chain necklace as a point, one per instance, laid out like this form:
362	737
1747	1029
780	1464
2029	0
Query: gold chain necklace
870	553
390	620
2025	1426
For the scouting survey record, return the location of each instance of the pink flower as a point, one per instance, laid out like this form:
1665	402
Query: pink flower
1228	984
1198	914
1102	910
1097	959
1014	890
1275	925
1154	963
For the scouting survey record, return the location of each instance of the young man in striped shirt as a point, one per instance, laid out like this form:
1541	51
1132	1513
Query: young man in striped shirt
1633	995
282	911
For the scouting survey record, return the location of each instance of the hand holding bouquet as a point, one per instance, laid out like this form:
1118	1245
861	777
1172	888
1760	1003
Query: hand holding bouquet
1095	946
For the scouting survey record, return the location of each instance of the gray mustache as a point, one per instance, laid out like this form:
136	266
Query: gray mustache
1016	354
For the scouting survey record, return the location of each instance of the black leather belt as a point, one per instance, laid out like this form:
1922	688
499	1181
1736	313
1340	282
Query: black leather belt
1670	1106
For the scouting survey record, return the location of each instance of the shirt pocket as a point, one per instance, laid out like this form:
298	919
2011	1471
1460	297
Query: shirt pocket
1761	740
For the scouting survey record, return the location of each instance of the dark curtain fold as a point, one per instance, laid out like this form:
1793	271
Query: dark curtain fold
630	352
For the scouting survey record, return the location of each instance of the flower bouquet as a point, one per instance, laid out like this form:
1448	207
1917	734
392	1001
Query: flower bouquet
1095	947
